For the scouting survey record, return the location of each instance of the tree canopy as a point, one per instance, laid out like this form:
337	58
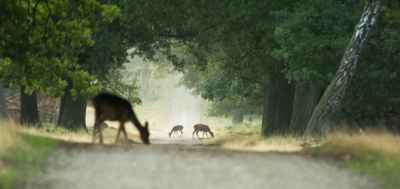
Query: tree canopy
40	42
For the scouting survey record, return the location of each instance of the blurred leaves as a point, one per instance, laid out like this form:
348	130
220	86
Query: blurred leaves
40	41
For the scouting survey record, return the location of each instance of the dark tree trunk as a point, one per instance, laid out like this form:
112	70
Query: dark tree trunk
29	109
237	118
3	105
62	103
266	122
285	102
322	119
74	112
305	100
278	105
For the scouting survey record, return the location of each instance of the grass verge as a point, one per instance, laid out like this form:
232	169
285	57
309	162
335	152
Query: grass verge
374	154
21	155
248	138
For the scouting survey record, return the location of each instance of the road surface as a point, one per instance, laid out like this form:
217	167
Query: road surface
159	166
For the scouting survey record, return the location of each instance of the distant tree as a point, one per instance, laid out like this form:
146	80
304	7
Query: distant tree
234	109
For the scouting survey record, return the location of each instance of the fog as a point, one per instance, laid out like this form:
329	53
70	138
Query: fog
185	109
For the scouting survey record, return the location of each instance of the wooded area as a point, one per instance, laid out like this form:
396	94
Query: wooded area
305	67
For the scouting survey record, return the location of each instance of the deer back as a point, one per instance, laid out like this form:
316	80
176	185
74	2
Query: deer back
111	107
201	127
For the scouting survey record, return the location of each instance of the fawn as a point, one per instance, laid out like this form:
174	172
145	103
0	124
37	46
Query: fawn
176	129
201	127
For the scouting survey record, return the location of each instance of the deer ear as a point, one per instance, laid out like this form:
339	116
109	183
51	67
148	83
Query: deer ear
146	125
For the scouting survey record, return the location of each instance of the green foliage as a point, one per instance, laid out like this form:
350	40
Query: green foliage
312	41
393	12
228	107
25	160
122	83
40	42
373	93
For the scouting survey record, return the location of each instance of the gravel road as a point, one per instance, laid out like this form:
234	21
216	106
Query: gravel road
82	166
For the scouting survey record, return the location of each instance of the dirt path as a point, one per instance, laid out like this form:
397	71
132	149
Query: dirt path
82	166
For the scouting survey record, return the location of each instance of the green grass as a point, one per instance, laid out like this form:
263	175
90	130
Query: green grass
22	157
362	154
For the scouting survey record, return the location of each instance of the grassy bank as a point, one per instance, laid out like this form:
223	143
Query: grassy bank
375	154
248	138
21	154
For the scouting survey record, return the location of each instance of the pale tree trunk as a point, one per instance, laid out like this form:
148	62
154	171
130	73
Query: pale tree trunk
237	118
322	119
29	109
305	100
145	80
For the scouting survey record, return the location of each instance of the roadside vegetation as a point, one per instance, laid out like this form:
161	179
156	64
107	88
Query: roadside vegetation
21	154
374	153
24	150
248	138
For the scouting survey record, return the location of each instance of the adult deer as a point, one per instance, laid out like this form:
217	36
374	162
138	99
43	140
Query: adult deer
201	127
176	129
114	108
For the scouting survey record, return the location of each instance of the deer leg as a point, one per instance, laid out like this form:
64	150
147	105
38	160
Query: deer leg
197	133
119	130
97	126
94	130
100	133
124	131
181	134
193	134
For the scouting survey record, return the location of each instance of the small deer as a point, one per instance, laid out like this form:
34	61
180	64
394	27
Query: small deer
201	127
176	129
114	108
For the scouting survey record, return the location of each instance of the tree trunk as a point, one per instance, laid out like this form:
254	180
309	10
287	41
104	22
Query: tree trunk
74	111
237	118
29	109
145	80
62	103
278	105
305	100
266	122
3	105
322	118
285	102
